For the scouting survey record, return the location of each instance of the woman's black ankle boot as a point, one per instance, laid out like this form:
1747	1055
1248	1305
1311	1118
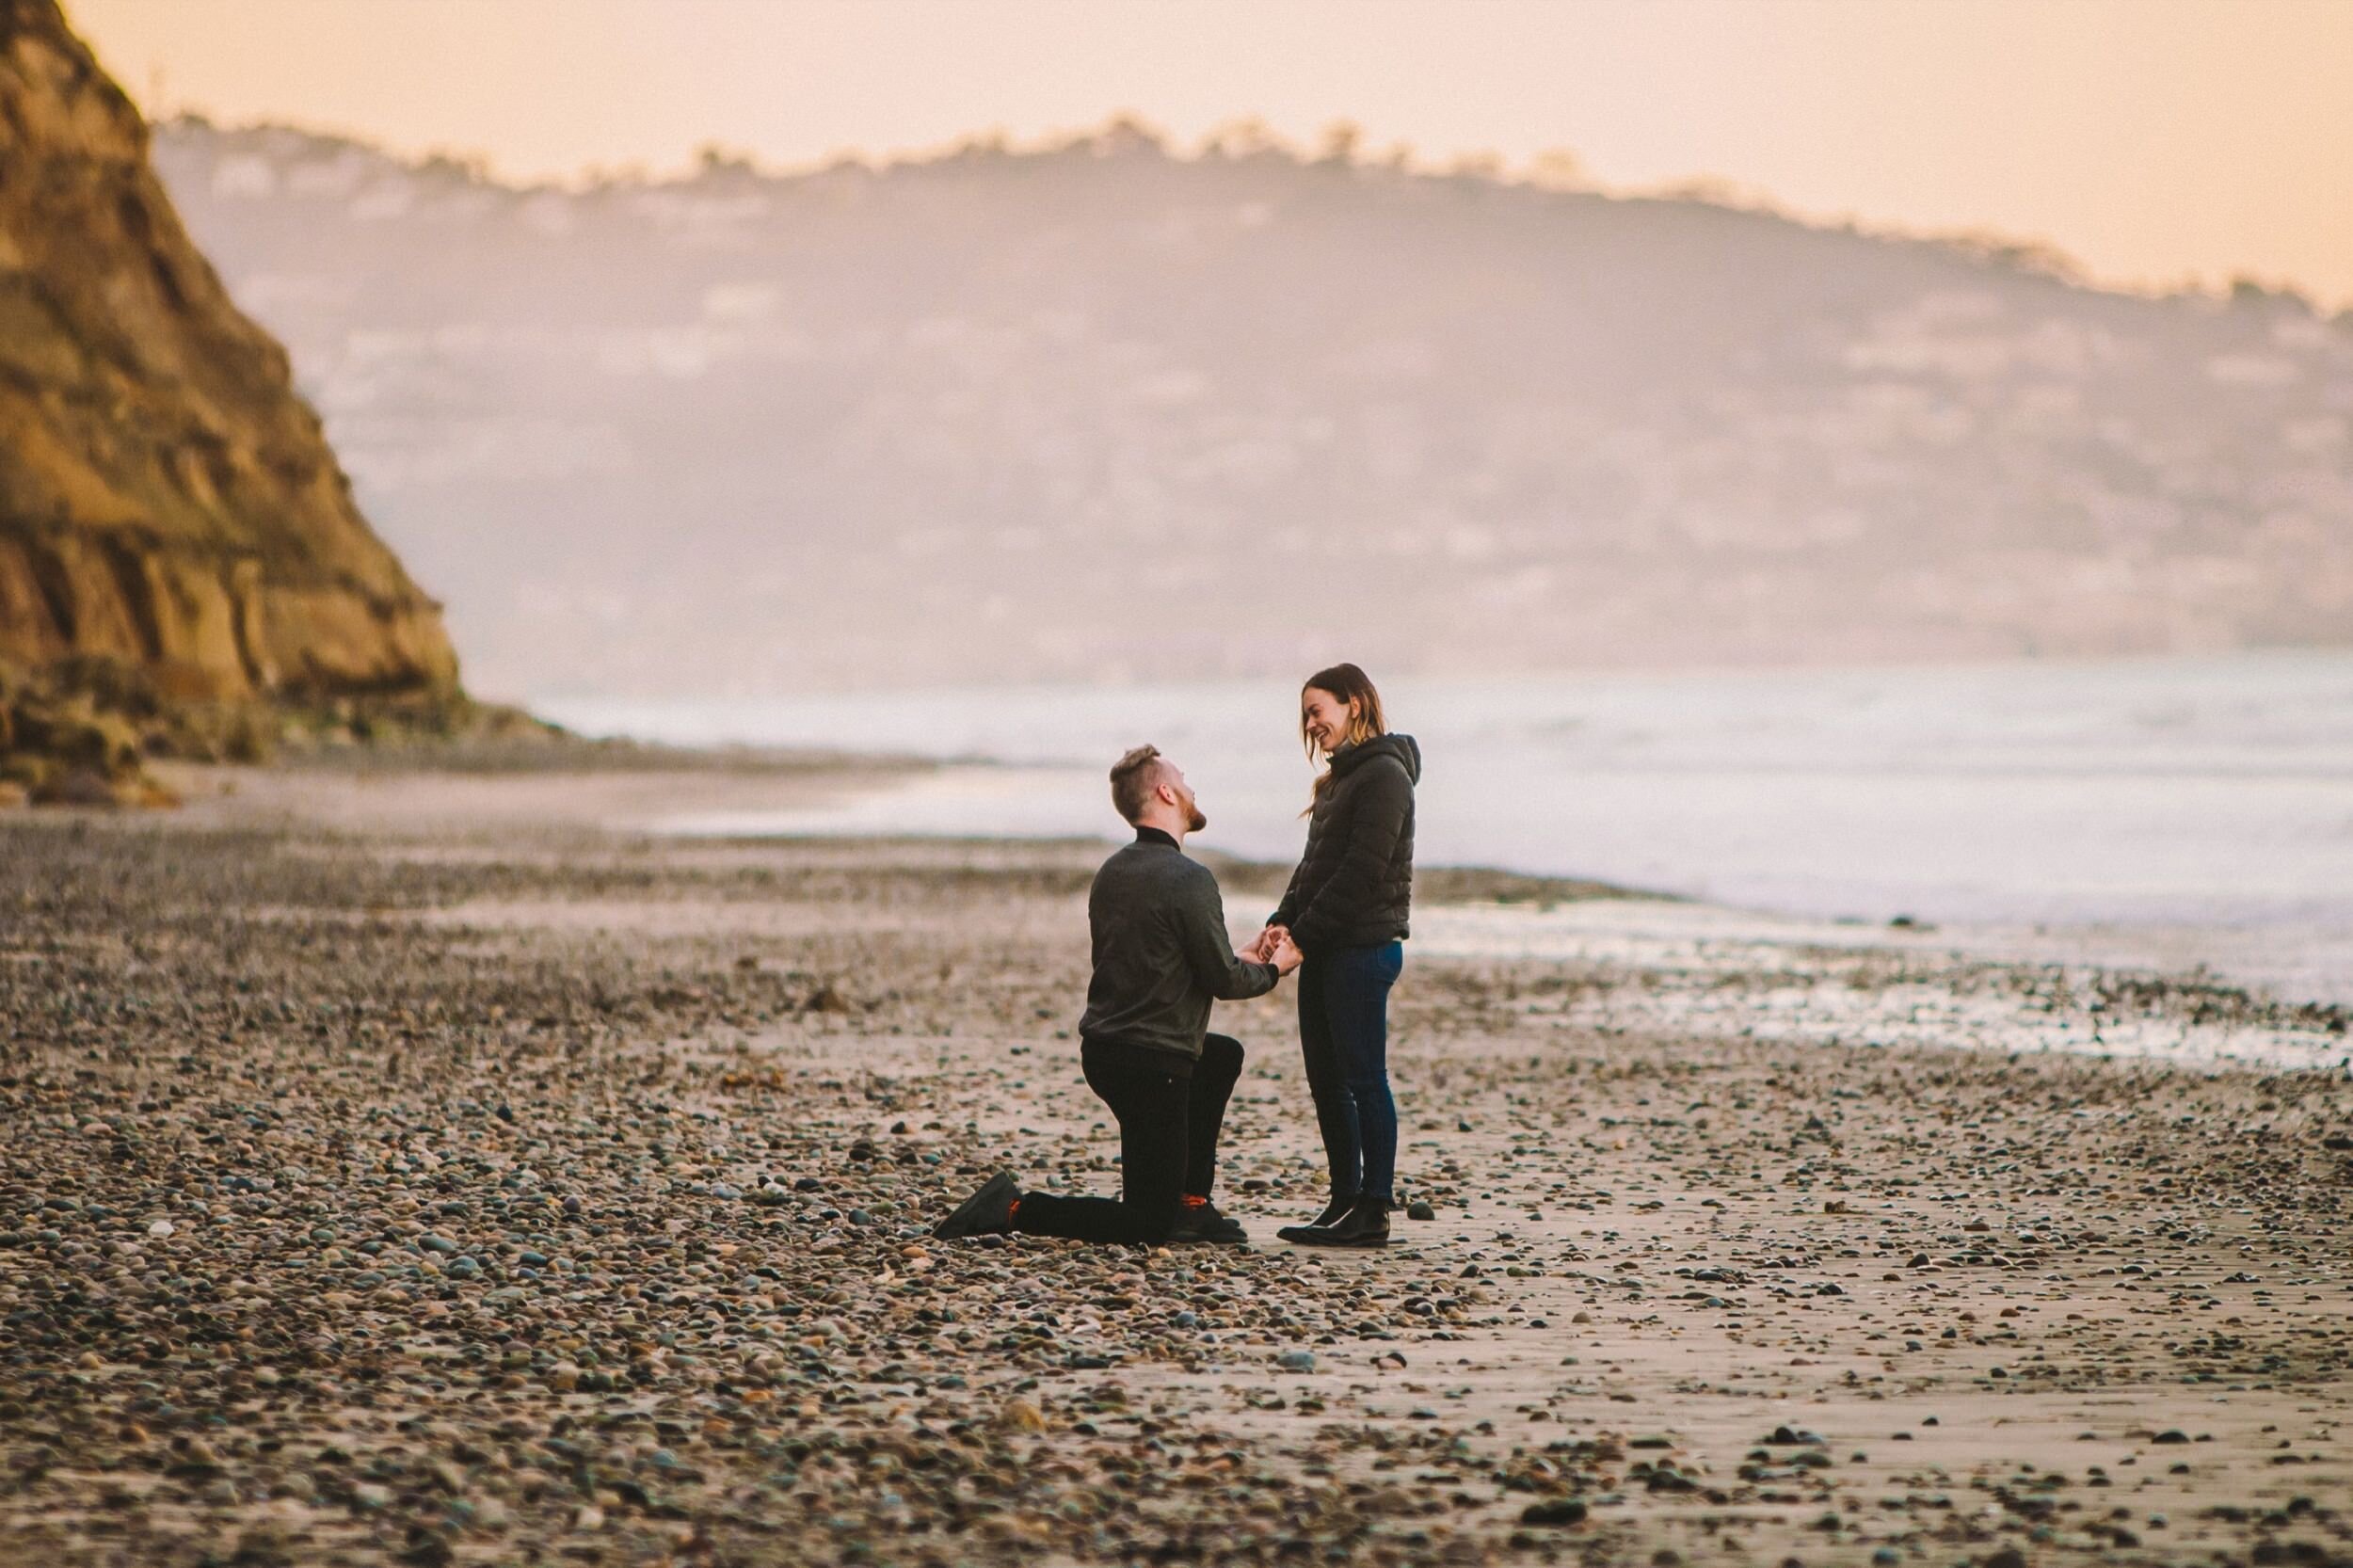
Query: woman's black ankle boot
1364	1225
1331	1216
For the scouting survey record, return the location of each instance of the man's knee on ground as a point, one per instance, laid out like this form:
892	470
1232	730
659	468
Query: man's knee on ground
1153	1222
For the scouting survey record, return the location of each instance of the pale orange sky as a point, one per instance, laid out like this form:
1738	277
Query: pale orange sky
2158	141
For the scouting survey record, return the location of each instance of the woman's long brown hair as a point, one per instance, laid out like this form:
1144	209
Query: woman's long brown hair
1355	688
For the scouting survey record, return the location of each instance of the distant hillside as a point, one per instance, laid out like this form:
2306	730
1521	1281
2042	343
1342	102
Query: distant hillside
1086	412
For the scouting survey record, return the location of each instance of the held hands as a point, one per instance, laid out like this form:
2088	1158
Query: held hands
1274	946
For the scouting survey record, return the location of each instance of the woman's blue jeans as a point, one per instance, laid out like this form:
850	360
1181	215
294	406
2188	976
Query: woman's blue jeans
1344	1037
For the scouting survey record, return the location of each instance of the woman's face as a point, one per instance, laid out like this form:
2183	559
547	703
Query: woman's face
1325	718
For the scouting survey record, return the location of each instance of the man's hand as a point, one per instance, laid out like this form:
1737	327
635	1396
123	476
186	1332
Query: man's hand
1285	954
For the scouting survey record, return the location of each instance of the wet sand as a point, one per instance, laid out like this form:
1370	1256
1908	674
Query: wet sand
405	1168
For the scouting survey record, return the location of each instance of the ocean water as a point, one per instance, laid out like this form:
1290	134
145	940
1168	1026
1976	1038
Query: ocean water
2167	797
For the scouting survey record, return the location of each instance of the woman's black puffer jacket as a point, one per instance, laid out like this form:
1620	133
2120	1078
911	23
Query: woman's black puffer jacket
1354	886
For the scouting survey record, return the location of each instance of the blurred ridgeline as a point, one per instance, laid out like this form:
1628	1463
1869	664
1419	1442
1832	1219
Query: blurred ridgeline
1073	413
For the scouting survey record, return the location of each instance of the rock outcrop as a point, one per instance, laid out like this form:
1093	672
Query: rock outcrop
167	505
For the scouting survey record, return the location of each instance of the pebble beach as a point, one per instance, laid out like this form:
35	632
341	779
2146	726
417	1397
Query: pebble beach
414	1168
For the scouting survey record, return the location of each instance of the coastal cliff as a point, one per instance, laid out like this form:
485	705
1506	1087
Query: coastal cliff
174	529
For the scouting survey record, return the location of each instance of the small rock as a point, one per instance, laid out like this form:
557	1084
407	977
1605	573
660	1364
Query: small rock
1296	1361
1560	1510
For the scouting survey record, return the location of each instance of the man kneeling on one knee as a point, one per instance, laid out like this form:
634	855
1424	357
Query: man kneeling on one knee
1161	956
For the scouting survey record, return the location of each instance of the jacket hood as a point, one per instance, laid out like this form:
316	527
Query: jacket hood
1400	746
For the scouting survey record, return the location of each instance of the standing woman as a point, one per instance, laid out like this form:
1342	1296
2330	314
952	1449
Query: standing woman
1346	909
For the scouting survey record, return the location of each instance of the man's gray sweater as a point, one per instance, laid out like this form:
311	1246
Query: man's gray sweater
1161	954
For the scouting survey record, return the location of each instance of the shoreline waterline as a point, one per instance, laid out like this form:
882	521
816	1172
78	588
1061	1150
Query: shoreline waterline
2199	809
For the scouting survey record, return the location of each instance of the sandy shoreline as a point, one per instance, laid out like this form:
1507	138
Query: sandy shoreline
538	1192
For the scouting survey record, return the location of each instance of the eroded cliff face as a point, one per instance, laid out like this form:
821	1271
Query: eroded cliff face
166	502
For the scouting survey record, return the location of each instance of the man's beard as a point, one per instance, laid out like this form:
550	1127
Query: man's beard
1194	821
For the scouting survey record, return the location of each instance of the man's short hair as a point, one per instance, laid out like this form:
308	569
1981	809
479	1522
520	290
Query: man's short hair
1134	778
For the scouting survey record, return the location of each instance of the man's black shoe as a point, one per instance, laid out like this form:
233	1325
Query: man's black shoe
1331	1216
1201	1222
1364	1225
984	1213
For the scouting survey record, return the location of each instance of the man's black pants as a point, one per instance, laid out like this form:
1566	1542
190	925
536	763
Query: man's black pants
1168	1128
